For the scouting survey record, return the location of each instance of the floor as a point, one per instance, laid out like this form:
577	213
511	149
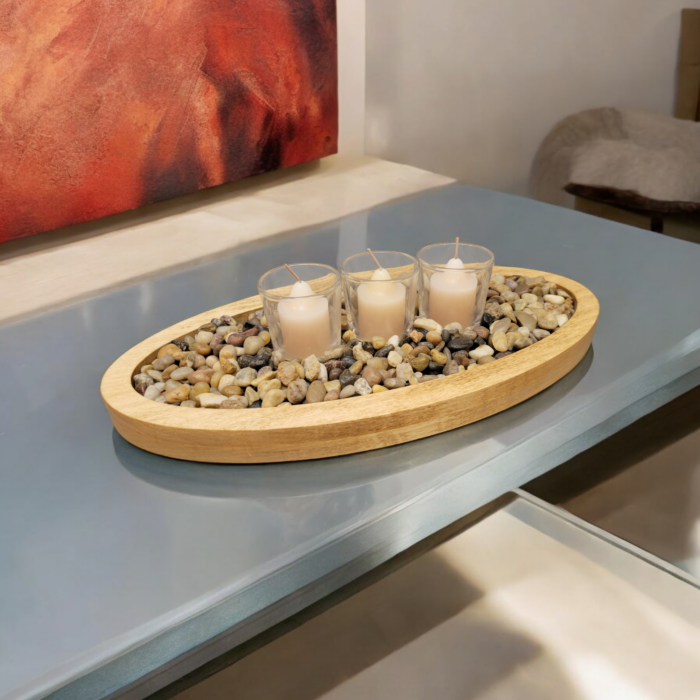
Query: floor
500	612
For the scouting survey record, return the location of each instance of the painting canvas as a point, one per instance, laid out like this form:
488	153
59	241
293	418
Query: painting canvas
106	105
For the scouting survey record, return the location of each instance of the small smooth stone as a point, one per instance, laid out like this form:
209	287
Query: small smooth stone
419	350
163	362
347	378
263	378
332	385
416	336
348	336
269	385
202	349
404	371
356	367
500	342
394	383
334	354
276	358
420	363
296	391
561	319
152	393
371	375
454	327
211	361
500	326
257	404
540	333
378	389
476	365
231	390
199	388
498	278
201	375
181	373
378	342
177	395
501	355
347	392
548	322
524	331
427	378
523	343
144	369
457	344
381	363
172	384
217	377
159	385
229	365
452	368
322	374
251	395
274	398
394	359
360	354
316	392
461	358
481	332
427	324
264	336
143	379
332	395
438	357
362	387
168	349
188	404
394	340
312	368
246	377
235	402
554	299
485	360
252	345
527	320
481	351
301	374
287	373
155	375
204	337
404	350
433	337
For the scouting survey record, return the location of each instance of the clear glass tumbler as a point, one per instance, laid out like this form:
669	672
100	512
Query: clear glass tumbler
454	289
303	317
380	302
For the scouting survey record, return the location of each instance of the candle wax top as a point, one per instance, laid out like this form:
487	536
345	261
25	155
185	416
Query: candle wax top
454	264
301	289
381	275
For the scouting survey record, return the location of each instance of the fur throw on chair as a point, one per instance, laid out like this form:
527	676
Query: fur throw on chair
631	159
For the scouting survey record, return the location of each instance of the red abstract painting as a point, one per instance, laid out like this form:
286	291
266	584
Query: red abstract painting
106	105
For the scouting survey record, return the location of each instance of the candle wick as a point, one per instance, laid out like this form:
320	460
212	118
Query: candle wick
379	266
457	247
291	272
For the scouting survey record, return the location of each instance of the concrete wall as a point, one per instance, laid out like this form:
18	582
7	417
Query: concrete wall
470	88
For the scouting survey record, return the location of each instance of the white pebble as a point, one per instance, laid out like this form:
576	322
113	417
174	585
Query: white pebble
394	340
394	359
418	375
160	386
204	337
481	351
525	332
554	298
427	324
323	373
152	393
160	399
498	279
211	400
561	319
454	327
529	298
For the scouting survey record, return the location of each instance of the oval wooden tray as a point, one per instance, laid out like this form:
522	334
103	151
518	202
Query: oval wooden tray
358	424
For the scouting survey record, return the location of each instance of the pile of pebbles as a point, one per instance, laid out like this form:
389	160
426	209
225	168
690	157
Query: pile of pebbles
228	364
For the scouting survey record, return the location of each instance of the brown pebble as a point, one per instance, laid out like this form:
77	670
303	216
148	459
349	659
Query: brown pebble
316	392
232	390
168	349
141	388
202	349
371	375
332	395
201	375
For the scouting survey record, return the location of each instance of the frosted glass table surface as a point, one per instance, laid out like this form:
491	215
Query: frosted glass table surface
113	562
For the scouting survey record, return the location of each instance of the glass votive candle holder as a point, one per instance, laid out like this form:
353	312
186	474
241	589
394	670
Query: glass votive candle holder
303	317
380	302
453	288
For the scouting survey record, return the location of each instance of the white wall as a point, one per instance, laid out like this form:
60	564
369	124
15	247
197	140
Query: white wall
470	88
351	76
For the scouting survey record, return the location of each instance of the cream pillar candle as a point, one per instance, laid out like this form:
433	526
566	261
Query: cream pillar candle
304	322
381	306
453	295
